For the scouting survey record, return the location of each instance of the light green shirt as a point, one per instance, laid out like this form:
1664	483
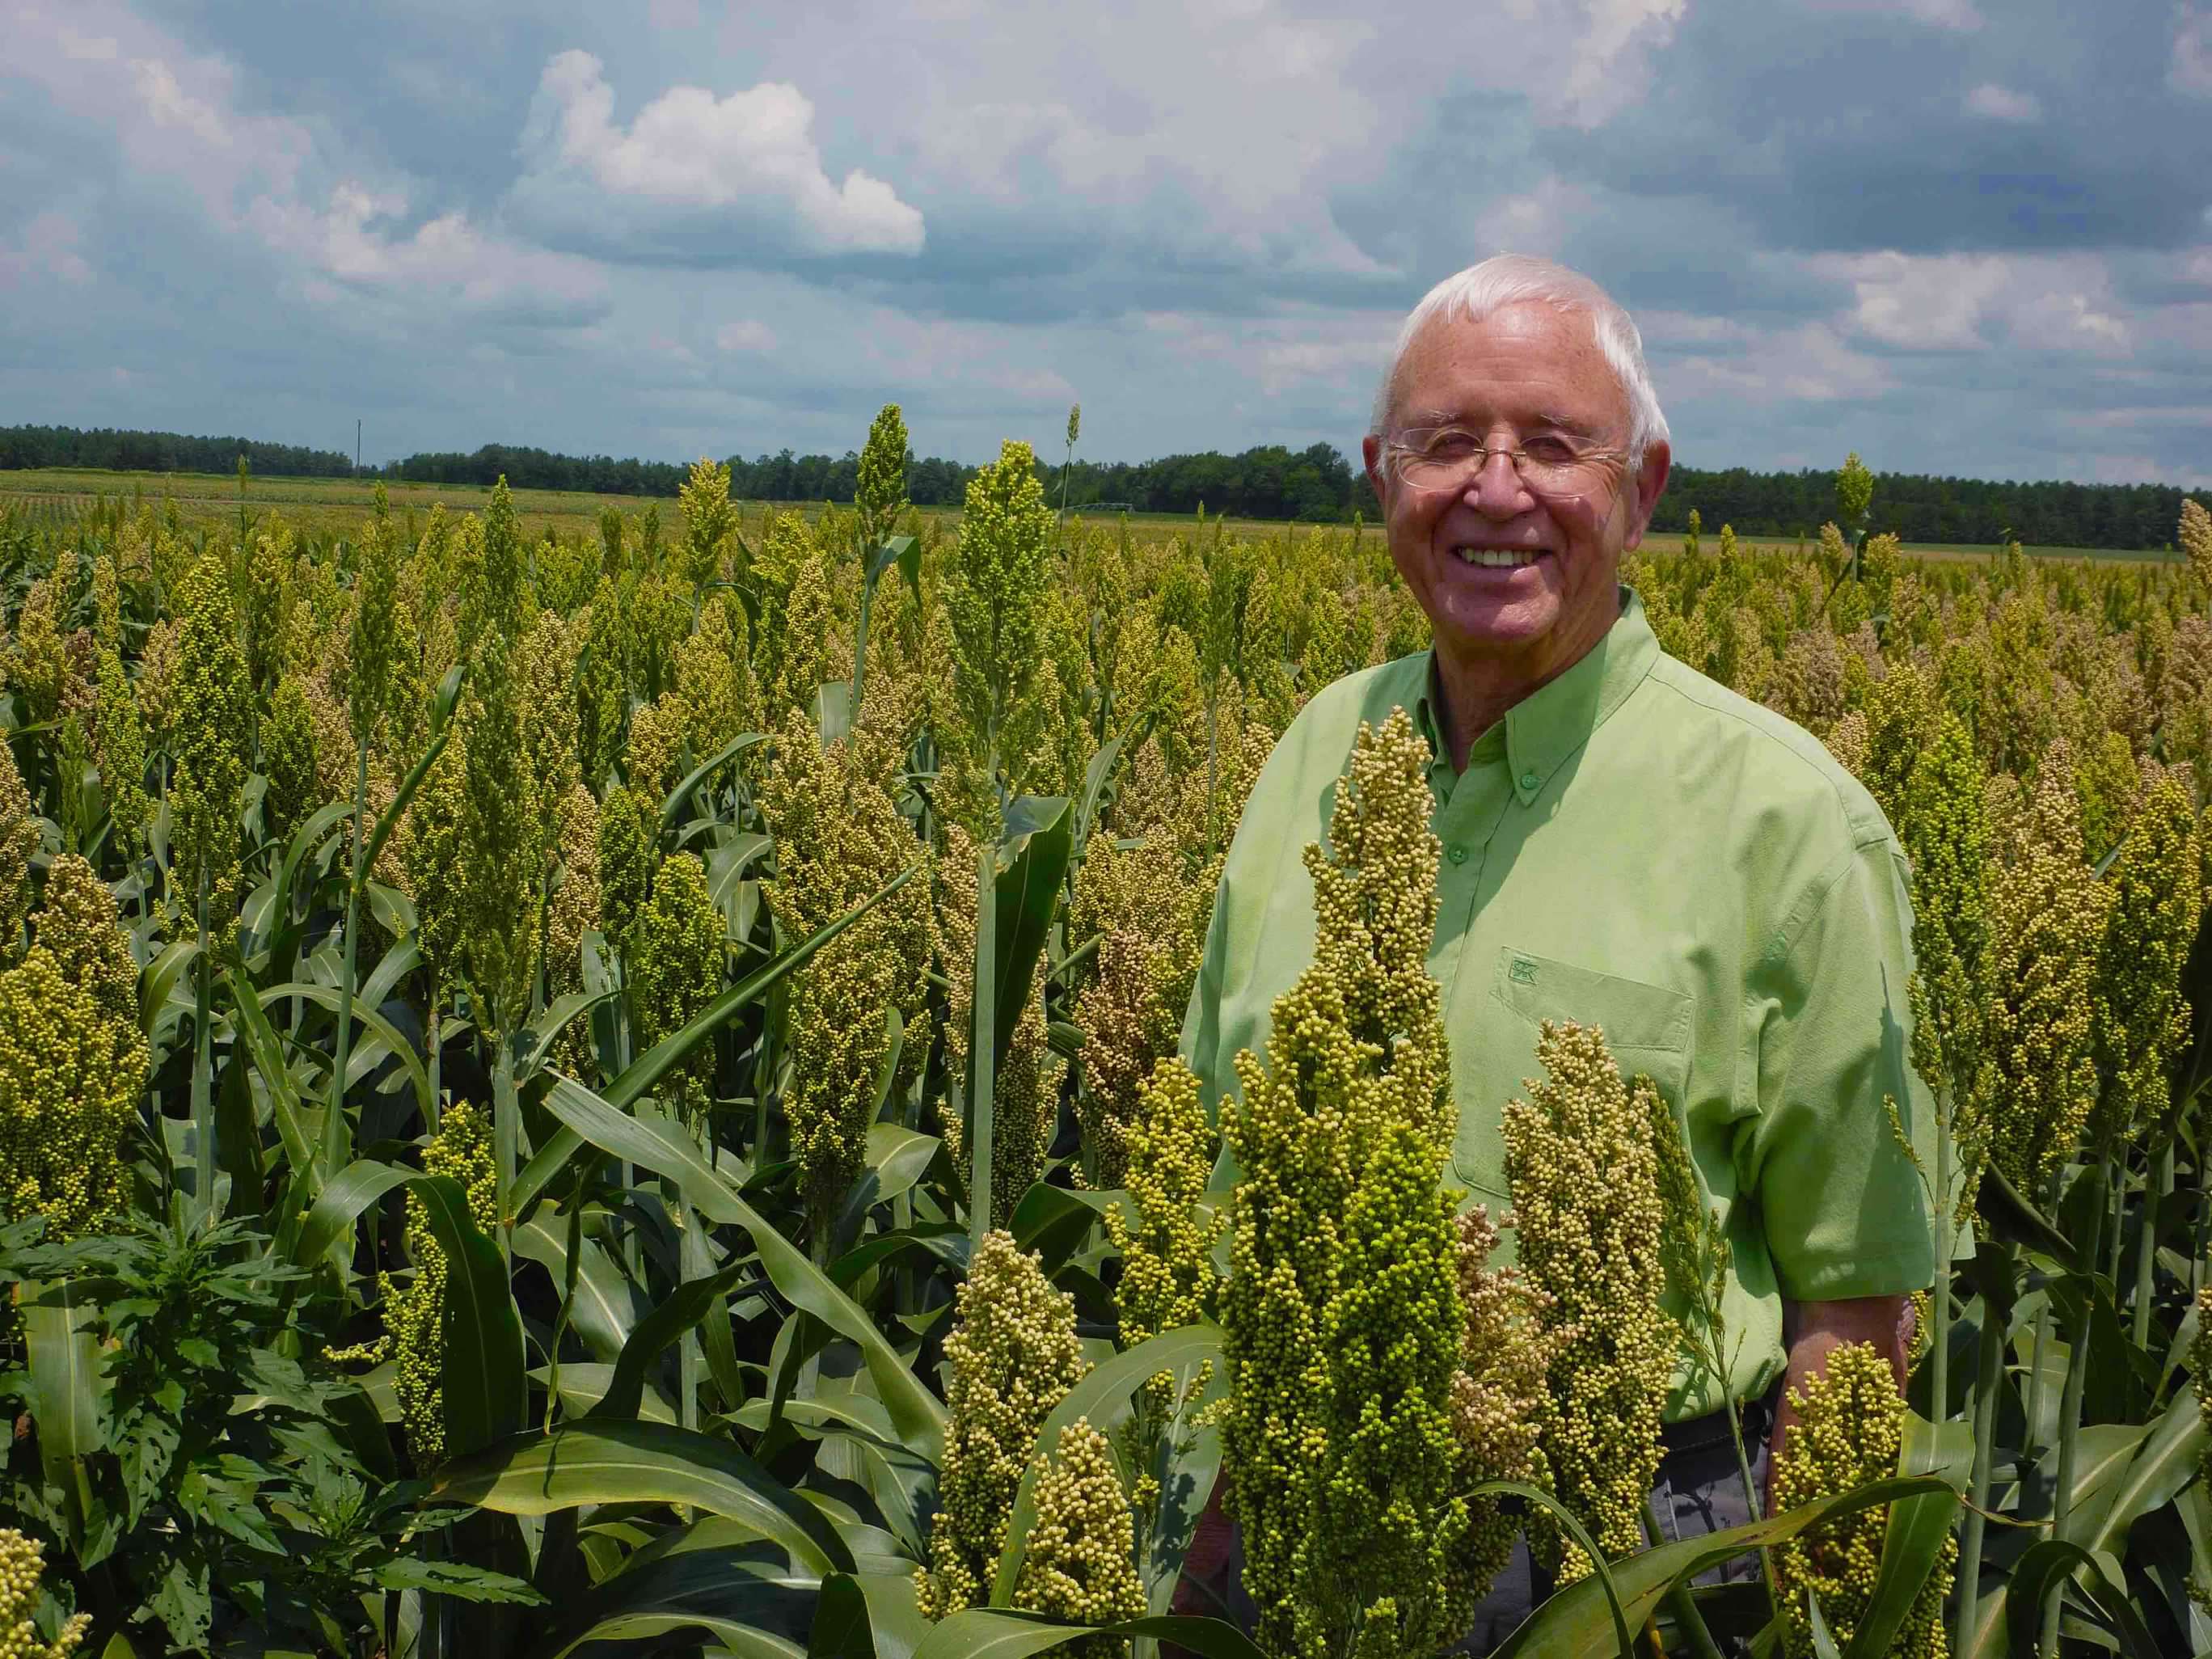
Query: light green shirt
1637	847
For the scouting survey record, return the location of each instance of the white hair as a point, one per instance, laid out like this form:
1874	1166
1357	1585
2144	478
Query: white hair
1506	279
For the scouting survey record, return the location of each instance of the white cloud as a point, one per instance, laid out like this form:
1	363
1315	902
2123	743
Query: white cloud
178	117
349	239
747	335
1920	304
2189	69
48	248
1959	15
1973	302
2003	103
688	149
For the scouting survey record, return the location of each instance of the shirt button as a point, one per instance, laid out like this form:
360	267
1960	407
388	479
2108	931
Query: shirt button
1530	780
1456	853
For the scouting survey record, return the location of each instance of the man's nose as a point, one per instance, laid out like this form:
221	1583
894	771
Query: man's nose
1495	488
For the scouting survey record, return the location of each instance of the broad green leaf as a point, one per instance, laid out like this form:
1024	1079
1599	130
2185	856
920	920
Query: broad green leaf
672	1050
1577	1621
1033	857
359	1185
481	1362
66	1388
748	1609
600	1461
841	1622
158	981
2010	1215
441	731
546	1029
2168	1454
1104	1400
583	1384
1003	1634
1056	1220
604	1310
326	996
2052	1562
671	809
282	1088
894	1622
917	1413
685	1306
1917	1530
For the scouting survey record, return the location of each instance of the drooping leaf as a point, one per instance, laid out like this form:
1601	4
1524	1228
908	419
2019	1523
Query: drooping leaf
1577	1621
1003	1634
602	1460
486	1396
918	1413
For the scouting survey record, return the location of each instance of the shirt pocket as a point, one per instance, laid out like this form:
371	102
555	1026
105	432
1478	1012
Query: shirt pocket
1647	1027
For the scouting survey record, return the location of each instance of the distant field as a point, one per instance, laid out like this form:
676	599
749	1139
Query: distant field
337	505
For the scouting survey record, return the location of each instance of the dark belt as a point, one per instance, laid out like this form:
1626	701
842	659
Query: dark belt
1702	1433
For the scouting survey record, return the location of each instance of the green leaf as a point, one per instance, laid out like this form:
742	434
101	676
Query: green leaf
359	1185
1056	1220
458	1579
1104	1398
66	1390
603	1309
2051	1562
546	1029
1577	1621
1918	1528
672	1050
671	809
480	1363
1003	1633
2168	1454
916	1413
1033	856
689	1303
841	1622
326	996
894	1622
598	1460
749	1609
441	731
2010	1217
157	982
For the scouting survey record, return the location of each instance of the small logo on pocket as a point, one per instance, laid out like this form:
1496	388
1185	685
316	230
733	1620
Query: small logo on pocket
1523	971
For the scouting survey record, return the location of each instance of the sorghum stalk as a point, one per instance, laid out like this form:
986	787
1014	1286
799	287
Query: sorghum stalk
2070	1406
369	665
982	1045
203	1060
1988	1380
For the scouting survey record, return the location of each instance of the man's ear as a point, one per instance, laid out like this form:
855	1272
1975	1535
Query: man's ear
1650	485
1370	453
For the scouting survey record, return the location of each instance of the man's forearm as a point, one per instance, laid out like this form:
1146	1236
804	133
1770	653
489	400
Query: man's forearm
1818	1329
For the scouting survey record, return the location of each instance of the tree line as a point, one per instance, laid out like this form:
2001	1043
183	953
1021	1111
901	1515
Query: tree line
1314	485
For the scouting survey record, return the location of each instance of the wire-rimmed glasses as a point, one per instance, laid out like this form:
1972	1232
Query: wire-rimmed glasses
1444	457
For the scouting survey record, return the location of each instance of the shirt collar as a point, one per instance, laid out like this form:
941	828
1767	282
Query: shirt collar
1545	727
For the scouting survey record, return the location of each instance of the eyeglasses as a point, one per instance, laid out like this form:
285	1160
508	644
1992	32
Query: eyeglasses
1450	458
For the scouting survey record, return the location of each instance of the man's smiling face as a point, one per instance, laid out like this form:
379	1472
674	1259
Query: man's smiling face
1507	575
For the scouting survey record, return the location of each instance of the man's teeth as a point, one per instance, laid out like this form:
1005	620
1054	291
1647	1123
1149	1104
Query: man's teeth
1496	558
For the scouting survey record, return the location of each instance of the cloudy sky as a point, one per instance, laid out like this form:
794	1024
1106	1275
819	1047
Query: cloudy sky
1968	236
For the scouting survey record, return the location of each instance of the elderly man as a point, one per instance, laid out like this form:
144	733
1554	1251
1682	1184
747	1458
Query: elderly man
1626	844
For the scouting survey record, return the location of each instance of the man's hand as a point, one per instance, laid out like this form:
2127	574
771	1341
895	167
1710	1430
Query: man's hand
1818	1329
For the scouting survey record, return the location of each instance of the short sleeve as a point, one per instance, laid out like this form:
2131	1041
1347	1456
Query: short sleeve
1827	1015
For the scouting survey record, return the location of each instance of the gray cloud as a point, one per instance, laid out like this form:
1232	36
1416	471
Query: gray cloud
1886	224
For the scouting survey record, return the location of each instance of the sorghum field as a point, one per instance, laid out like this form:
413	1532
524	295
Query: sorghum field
615	1092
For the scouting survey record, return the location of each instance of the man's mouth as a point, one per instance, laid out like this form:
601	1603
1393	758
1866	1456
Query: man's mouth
1499	558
